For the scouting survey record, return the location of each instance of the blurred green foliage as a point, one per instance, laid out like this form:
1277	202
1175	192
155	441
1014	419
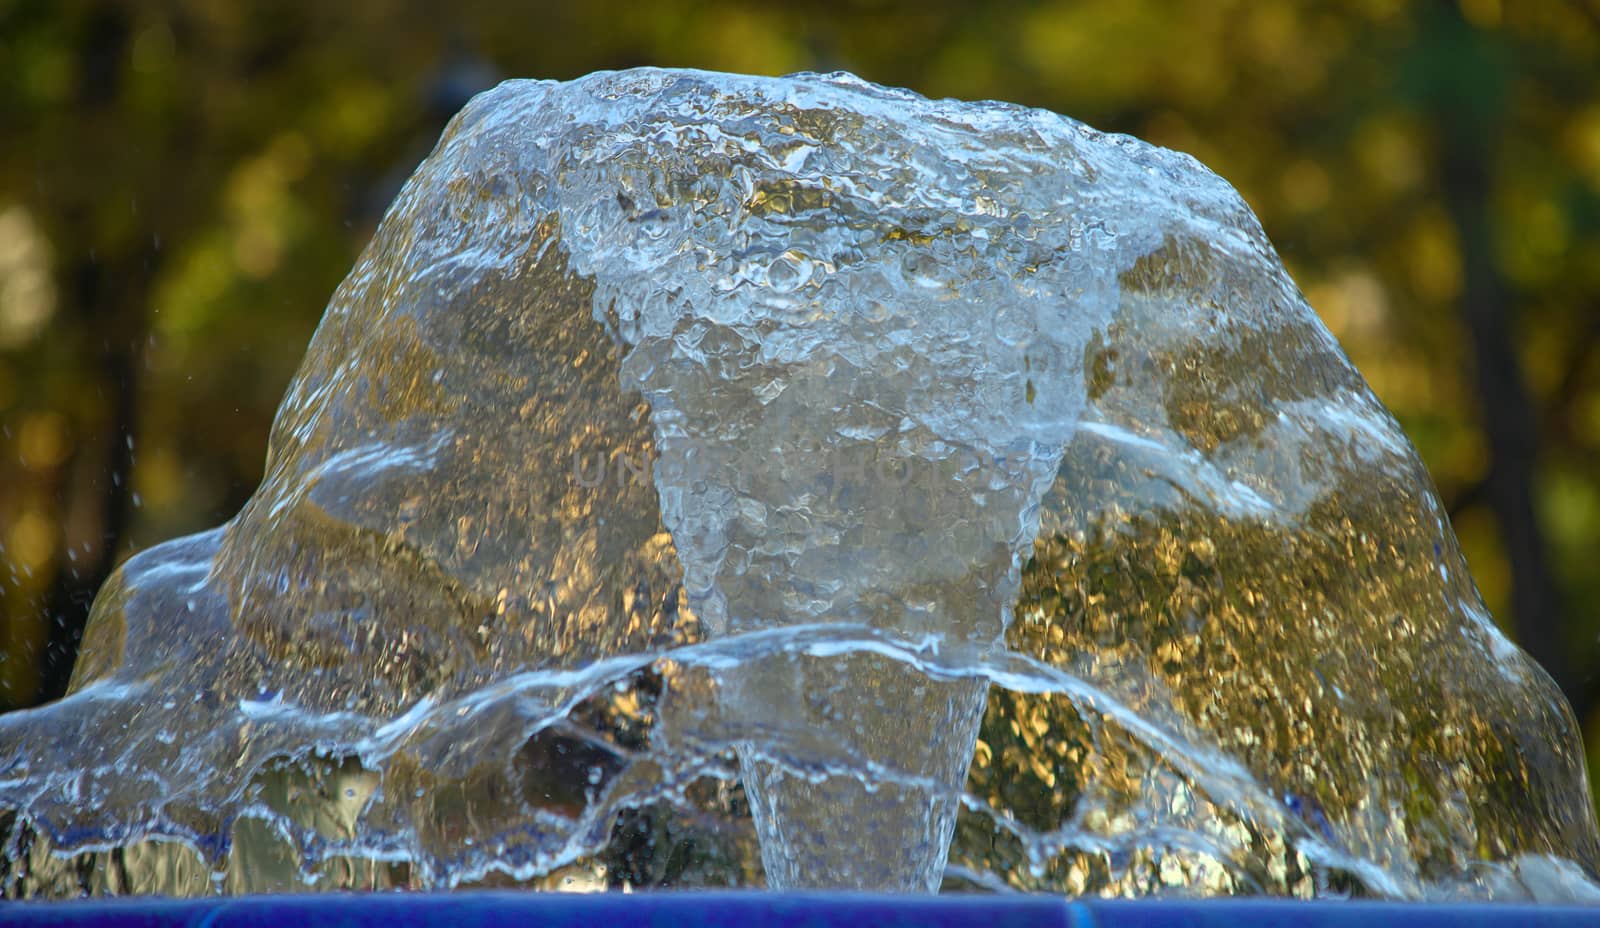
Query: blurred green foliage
184	182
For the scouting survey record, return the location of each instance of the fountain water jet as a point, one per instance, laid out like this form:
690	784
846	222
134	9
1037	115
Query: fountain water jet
698	463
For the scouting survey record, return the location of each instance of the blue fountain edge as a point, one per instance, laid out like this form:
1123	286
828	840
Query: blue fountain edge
768	910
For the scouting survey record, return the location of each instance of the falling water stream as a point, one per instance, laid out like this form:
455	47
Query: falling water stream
706	480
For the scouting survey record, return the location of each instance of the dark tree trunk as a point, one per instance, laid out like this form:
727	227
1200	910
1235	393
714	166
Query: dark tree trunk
108	294
1509	419
98	482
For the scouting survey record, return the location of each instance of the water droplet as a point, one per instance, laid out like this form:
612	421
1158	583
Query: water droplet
789	272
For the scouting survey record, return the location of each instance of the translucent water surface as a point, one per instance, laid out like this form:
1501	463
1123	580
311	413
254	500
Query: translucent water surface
706	480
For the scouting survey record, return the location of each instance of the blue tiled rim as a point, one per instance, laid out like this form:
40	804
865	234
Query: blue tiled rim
764	910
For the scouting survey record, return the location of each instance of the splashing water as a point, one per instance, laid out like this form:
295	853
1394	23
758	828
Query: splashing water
707	480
